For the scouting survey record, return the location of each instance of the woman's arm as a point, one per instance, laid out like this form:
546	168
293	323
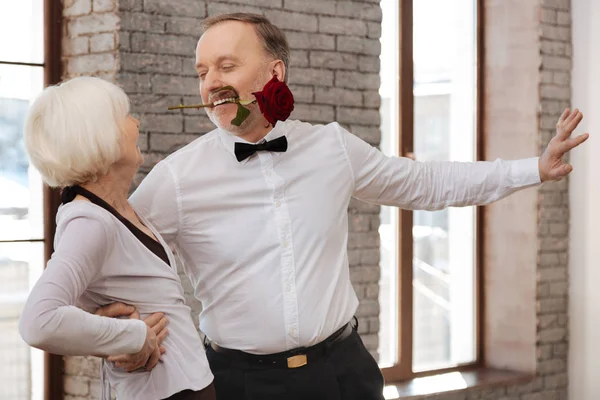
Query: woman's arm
51	321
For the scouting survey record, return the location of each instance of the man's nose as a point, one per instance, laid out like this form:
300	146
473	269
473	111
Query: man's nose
212	82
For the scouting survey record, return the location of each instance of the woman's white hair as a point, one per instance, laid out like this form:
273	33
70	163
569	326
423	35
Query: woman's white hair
73	130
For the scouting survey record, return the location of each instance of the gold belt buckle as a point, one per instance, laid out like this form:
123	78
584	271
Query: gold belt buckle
297	361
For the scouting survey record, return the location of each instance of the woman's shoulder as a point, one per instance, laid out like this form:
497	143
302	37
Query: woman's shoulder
81	209
84	215
82	226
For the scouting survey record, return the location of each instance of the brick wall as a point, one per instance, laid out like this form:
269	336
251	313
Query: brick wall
553	280
148	48
90	38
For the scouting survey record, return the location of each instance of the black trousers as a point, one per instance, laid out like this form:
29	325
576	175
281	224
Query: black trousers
346	372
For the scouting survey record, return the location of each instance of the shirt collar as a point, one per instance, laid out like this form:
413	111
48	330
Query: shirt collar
229	140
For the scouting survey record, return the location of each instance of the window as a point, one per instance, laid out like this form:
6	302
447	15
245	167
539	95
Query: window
429	260
24	238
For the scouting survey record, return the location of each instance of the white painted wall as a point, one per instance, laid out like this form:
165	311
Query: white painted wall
584	192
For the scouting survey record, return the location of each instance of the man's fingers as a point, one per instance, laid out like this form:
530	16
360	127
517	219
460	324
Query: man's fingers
563	171
161	325
154	319
163	350
115	310
573	114
160	337
560	172
564	115
571	123
135	315
153	359
123	365
571	143
577	140
128	367
120	358
567	123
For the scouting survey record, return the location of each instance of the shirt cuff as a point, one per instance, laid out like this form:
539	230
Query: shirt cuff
528	171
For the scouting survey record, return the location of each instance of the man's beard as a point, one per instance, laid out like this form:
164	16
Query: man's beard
223	120
249	122
228	127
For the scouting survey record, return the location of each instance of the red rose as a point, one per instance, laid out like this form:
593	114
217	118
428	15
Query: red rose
276	101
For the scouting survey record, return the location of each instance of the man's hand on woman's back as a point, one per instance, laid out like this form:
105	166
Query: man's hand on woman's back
149	356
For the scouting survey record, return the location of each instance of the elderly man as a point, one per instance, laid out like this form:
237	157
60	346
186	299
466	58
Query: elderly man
263	236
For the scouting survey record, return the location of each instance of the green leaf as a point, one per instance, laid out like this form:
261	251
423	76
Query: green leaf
242	114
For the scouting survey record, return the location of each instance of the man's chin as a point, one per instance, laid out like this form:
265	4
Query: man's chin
222	119
224	123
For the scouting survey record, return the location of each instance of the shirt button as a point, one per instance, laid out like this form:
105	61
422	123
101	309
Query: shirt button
284	244
277	204
293	331
288	288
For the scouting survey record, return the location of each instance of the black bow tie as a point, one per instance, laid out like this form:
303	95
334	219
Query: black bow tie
245	150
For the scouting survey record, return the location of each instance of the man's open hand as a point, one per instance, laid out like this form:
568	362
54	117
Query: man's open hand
551	165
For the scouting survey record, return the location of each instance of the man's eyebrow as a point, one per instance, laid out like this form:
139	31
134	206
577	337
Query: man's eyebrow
219	59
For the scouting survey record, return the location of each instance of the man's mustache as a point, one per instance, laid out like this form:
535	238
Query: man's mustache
222	93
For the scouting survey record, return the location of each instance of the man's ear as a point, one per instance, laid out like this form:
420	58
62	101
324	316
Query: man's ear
277	68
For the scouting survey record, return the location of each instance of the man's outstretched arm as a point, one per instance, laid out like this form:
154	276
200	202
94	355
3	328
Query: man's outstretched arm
414	185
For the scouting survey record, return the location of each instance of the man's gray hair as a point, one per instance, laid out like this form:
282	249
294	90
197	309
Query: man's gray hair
274	40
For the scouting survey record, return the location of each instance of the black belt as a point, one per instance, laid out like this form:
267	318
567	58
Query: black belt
289	359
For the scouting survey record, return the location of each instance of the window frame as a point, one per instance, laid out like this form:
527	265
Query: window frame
53	364
52	17
403	370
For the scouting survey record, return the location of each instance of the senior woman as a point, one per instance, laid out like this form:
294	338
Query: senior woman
81	138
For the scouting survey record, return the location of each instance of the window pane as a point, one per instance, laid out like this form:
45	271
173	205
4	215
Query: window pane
21	29
388	228
20	366
20	185
445	129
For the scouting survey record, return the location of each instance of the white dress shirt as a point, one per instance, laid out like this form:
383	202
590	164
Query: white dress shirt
99	261
264	241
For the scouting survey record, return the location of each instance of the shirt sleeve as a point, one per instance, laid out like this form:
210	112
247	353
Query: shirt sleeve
50	320
158	199
414	185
